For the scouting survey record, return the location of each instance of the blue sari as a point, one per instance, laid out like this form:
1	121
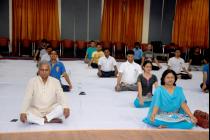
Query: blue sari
170	113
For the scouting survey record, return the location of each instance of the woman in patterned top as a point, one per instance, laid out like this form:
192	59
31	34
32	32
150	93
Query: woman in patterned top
146	81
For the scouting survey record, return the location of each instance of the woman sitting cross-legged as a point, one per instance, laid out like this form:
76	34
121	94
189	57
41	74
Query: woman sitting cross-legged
146	81
169	108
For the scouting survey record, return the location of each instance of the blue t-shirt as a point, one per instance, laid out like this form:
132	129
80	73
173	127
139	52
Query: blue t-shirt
90	51
206	69
137	53
57	70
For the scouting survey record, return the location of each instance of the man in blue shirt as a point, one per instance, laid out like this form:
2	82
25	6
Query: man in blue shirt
137	53
58	70
205	84
90	51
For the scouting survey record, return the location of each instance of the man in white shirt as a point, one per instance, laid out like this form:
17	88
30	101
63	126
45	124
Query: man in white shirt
107	65
46	56
176	64
128	74
44	101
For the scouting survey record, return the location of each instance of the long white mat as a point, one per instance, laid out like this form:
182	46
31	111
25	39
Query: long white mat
102	108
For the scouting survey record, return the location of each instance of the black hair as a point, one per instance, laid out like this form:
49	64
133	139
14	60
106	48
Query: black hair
107	49
206	58
147	62
100	44
177	49
130	52
44	41
172	44
196	47
55	51
137	44
165	73
91	41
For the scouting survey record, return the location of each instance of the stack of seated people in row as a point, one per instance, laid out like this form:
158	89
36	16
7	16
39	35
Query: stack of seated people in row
168	105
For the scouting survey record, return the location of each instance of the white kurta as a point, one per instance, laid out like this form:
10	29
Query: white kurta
40	99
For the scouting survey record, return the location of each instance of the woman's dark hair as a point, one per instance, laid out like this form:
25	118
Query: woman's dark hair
146	62
165	73
130	52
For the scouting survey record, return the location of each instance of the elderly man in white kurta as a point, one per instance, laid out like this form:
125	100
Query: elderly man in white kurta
44	100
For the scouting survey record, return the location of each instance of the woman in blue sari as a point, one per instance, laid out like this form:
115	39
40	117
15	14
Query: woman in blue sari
169	107
146	82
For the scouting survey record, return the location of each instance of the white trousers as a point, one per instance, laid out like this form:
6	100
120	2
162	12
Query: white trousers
57	112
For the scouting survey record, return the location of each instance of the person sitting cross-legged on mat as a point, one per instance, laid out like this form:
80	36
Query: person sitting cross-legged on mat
58	70
137	53
41	50
176	63
90	50
46	57
44	101
149	56
205	84
107	65
169	107
196	60
96	56
128	74
146	81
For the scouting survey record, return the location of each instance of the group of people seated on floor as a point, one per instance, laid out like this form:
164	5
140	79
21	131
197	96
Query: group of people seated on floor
45	101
